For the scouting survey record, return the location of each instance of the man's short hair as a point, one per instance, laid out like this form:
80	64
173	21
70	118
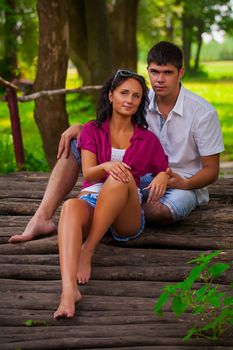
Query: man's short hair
164	53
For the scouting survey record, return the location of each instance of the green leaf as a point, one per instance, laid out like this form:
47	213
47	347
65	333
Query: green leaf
171	289
195	273
187	284
29	323
178	306
201	292
205	258
209	325
214	301
228	301
217	269
190	333
160	302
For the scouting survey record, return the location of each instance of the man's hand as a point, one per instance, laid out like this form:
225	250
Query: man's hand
157	187
176	181
64	144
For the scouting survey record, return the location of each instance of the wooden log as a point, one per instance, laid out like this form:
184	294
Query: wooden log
22	207
131	341
95	287
46	245
189	240
115	256
39	319
102	331
31	301
147	273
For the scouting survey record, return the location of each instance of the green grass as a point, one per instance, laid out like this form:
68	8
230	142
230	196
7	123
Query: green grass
215	85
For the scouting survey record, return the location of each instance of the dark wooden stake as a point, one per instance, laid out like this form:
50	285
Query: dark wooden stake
16	128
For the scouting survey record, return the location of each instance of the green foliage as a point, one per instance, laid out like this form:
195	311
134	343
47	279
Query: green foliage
214	307
31	323
214	51
80	109
18	34
158	20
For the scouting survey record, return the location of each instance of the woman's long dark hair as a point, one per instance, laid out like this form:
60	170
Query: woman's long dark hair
104	107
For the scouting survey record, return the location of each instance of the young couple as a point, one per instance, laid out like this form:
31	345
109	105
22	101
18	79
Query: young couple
118	155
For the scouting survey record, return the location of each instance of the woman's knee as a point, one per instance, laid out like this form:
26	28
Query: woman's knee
111	181
71	206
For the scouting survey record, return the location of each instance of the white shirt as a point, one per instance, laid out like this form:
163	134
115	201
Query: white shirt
191	130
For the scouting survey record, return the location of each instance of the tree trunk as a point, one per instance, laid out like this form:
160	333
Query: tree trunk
90	47
50	112
199	44
99	46
186	40
10	42
123	25
78	39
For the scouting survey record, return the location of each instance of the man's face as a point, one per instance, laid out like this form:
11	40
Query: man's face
164	79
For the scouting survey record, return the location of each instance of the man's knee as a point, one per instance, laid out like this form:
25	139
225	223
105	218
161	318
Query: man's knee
157	213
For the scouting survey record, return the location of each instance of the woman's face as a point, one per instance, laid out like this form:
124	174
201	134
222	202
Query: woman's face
126	98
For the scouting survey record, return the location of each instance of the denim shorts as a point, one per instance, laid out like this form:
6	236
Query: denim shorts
179	202
75	151
91	198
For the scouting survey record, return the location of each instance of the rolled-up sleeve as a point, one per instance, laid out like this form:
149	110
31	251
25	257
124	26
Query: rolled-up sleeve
87	139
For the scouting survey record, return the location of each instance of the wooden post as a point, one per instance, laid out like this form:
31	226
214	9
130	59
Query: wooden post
16	128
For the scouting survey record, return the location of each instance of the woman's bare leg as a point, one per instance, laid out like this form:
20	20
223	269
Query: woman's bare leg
61	182
75	219
117	204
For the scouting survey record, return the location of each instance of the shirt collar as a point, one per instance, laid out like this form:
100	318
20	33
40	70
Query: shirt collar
105	125
178	108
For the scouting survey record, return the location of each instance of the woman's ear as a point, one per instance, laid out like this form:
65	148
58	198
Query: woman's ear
110	96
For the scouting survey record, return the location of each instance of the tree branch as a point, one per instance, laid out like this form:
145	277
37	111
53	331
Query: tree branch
7	84
50	93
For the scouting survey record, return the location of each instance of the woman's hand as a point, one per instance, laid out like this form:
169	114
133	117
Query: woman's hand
157	187
118	170
64	144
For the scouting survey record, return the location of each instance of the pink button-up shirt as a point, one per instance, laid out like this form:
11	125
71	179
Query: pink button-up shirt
144	155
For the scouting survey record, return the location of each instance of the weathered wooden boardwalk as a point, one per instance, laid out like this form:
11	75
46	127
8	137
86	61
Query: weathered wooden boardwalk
116	311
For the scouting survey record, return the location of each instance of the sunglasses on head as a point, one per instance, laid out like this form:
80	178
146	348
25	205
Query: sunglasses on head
124	73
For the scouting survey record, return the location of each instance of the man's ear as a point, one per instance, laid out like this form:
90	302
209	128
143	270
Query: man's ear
181	72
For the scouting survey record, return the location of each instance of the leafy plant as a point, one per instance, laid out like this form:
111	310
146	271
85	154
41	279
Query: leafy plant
214	307
31	323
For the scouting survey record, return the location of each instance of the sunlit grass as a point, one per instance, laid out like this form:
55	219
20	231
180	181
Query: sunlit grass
219	94
219	69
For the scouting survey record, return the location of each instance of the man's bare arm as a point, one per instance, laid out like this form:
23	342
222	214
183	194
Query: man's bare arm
64	144
204	177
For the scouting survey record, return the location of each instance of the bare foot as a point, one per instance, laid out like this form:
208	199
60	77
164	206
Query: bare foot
37	226
66	308
84	267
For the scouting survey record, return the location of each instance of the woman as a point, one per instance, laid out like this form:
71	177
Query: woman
116	150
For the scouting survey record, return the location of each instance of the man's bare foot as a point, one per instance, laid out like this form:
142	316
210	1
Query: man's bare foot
84	267
66	308
37	226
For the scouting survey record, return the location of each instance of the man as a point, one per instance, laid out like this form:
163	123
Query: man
188	129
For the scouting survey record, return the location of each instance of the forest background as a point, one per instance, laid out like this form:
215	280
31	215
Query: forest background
46	45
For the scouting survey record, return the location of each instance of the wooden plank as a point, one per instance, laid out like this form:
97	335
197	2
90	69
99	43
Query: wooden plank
130	341
112	256
116	311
